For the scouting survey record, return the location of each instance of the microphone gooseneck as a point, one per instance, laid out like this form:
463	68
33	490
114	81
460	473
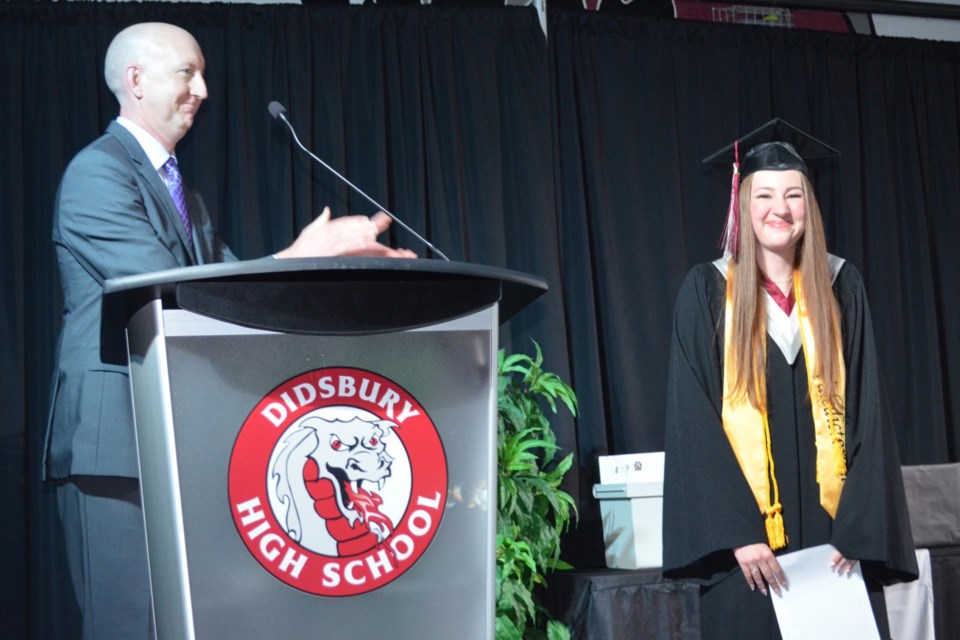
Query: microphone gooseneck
278	111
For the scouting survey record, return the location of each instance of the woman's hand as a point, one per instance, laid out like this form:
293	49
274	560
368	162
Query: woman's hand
760	567
842	566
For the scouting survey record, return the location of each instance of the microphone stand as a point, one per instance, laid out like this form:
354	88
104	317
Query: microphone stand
278	111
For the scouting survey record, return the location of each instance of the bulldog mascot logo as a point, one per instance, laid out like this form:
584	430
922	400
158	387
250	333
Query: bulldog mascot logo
337	481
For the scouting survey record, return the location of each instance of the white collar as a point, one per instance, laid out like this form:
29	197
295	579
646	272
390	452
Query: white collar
784	330
156	152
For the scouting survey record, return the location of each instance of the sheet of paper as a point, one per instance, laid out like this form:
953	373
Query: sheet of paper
820	604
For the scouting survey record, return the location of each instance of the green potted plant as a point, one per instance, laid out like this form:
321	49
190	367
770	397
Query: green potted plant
532	511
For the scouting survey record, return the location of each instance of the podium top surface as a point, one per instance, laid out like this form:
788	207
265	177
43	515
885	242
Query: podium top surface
353	296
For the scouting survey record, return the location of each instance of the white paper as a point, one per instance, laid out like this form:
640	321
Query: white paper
631	468
819	603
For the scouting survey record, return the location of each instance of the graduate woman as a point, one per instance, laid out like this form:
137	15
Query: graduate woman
777	438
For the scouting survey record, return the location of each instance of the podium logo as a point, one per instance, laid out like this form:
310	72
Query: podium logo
337	481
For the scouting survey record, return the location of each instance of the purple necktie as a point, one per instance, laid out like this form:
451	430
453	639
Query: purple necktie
175	185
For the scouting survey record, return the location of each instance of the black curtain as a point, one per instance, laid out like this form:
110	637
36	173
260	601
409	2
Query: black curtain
437	113
639	103
576	158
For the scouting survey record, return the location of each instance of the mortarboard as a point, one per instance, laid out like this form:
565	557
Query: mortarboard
776	146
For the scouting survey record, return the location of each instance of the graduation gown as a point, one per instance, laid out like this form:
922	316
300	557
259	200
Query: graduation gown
709	508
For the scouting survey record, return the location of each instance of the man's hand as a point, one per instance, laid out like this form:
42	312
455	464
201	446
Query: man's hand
344	236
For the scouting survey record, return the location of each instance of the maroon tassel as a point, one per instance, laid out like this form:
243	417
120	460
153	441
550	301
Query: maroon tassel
730	242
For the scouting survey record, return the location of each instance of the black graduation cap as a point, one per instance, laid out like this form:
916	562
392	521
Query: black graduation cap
777	146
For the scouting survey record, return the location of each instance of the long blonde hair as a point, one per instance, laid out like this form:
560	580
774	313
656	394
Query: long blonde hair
749	330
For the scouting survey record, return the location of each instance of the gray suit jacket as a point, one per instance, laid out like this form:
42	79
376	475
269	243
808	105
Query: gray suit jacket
113	217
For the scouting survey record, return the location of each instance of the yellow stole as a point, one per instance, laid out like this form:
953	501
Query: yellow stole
748	429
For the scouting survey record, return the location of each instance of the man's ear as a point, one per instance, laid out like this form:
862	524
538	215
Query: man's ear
132	77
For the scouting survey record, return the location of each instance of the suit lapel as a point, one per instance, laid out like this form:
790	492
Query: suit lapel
157	188
197	215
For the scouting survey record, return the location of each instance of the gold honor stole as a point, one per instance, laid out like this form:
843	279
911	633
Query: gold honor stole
748	429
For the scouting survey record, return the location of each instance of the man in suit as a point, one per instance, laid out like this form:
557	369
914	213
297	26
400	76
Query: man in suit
122	209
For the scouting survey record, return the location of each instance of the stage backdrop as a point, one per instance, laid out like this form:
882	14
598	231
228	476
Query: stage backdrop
576	158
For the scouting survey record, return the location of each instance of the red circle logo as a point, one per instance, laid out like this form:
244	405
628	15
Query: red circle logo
337	481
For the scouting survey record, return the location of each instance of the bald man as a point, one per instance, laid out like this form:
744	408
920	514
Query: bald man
122	209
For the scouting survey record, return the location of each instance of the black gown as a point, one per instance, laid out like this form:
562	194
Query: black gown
709	508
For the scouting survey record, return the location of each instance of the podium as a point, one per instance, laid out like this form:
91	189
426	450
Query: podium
317	443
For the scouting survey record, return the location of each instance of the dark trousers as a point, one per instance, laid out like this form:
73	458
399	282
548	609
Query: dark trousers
106	553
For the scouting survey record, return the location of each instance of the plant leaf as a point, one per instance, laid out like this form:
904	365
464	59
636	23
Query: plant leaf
532	510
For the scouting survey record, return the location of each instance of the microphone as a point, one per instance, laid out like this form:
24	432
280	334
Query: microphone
279	112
